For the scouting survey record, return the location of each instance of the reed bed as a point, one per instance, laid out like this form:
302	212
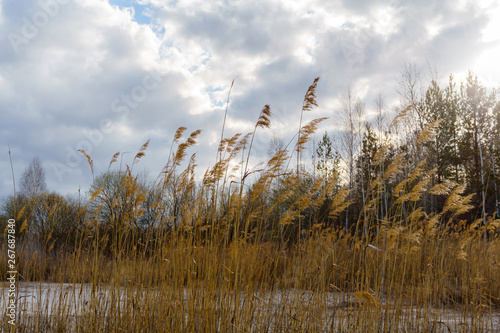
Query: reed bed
264	250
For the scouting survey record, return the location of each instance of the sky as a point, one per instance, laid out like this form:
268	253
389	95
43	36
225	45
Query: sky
107	75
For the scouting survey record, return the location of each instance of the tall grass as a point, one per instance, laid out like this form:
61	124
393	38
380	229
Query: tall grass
270	254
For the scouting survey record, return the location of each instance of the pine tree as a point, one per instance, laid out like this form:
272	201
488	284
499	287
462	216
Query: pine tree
328	159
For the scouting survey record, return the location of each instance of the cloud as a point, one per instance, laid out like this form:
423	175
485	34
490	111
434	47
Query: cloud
82	74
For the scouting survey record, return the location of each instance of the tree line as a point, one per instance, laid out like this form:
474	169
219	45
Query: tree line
450	131
443	144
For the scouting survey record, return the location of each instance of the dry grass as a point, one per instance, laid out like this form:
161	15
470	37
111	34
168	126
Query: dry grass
232	255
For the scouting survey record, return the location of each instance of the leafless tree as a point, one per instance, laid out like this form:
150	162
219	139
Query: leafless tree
33	180
351	114
275	145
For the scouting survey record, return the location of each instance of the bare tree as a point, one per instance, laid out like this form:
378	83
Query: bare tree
33	179
411	89
382	129
352	110
275	145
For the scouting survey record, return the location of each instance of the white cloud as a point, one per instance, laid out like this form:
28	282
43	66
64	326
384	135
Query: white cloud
90	60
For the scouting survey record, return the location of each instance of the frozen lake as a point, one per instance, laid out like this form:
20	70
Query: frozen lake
72	301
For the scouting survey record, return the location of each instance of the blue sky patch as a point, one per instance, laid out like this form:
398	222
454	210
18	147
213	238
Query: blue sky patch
143	14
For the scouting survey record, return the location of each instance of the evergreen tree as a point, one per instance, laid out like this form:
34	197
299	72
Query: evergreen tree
364	163
328	159
475	109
